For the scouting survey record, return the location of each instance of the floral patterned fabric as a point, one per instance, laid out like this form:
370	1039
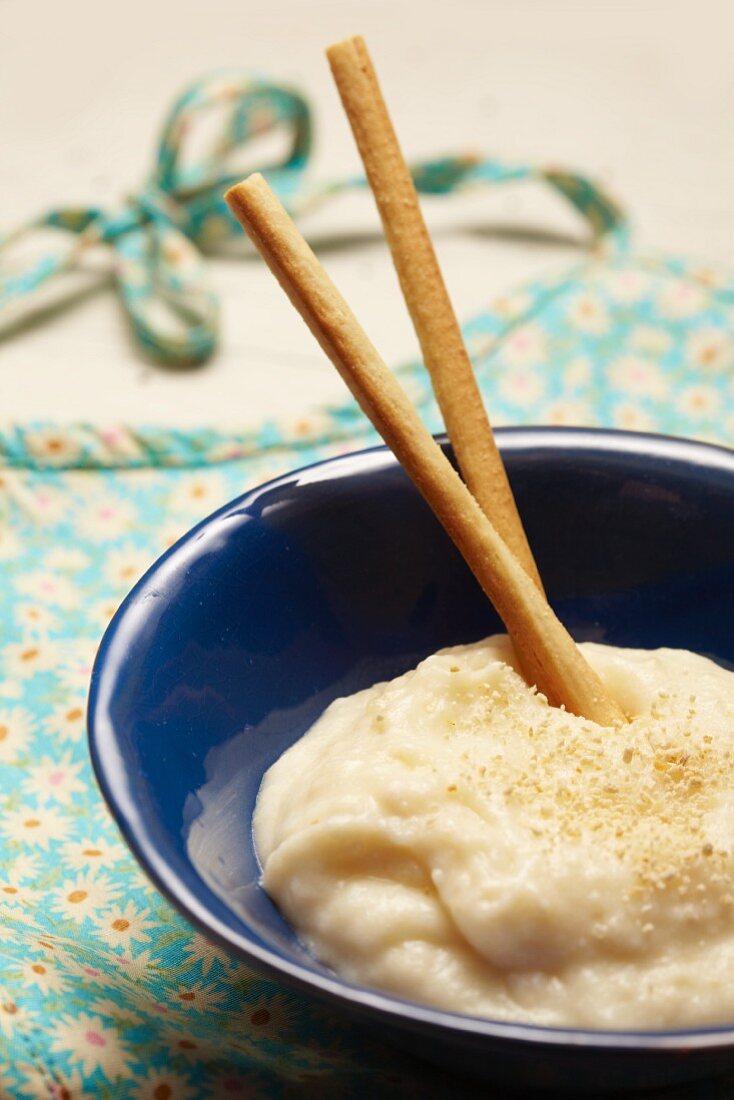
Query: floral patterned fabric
105	991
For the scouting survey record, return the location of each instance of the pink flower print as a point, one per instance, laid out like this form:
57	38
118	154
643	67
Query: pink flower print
47	587
637	376
680	298
525	345
522	387
106	518
89	1041
627	286
54	779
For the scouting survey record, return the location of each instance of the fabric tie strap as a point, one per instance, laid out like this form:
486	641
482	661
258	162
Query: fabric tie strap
159	236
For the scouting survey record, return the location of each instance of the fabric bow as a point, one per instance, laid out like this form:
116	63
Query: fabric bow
159	236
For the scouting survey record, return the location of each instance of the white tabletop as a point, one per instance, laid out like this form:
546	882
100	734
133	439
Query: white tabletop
637	94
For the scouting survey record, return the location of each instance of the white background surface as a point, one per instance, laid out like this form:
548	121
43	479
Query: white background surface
637	94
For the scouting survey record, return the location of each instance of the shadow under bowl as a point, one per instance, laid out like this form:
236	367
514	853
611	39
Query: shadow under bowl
332	578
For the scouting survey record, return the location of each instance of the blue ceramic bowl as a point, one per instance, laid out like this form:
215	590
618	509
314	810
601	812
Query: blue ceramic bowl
334	577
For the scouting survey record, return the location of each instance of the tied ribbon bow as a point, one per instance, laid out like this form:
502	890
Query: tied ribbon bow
160	236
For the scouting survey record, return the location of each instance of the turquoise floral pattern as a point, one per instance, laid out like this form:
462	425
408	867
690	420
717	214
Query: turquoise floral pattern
104	990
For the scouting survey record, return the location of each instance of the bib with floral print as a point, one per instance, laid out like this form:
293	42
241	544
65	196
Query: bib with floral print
105	991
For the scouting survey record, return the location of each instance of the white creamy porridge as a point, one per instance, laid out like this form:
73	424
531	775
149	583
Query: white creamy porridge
450	838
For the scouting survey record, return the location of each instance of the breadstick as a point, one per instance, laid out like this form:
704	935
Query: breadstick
548	655
425	293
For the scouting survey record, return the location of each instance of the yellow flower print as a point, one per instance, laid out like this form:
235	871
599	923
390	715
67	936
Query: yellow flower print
91	1043
318	423
67	1085
49	942
709	277
15	1020
66	722
36	826
197	494
271	1016
196	997
103	611
512	305
84	896
632	418
35	619
85	855
15	894
588	314
16	729
710	350
568	412
24	659
170	535
44	975
53	446
120	927
125	565
162	1084
699	402
180	1044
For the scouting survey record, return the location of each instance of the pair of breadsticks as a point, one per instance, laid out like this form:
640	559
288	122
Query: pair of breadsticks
478	513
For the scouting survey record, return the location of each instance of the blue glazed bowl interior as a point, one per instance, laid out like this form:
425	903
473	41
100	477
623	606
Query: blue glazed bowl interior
332	578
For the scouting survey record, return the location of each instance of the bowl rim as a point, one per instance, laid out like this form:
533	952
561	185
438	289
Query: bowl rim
108	765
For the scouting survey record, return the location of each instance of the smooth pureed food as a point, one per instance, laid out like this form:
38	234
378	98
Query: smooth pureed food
451	838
